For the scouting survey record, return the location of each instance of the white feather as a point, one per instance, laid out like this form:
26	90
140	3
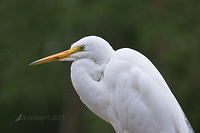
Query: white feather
125	89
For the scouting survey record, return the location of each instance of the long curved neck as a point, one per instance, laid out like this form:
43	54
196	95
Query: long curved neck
87	79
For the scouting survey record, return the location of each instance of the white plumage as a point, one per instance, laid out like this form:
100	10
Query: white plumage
122	87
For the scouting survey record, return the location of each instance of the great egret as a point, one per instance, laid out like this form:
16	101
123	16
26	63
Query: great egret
122	87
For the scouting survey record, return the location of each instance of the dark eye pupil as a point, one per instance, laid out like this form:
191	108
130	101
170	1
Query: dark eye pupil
82	47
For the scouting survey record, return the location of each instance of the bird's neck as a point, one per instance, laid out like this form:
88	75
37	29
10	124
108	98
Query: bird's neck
103	56
87	79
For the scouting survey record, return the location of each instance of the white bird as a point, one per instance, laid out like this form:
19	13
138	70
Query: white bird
122	87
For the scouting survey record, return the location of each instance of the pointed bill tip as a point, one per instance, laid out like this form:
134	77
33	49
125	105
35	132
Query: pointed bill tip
33	63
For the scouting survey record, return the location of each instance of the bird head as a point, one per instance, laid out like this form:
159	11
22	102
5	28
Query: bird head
91	47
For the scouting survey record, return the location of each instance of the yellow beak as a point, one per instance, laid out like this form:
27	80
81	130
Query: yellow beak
55	57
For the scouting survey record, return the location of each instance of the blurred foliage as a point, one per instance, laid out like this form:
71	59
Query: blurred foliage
167	32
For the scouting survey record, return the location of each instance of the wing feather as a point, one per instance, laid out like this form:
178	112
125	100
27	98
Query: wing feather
140	96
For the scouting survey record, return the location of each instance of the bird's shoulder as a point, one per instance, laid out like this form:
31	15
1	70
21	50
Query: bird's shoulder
131	64
128	54
126	59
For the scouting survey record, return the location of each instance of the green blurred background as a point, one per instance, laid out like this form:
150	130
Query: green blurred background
167	32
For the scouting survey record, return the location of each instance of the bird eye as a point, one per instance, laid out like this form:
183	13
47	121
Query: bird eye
82	47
